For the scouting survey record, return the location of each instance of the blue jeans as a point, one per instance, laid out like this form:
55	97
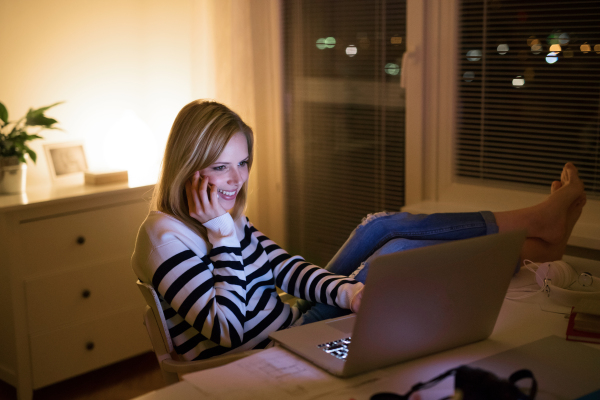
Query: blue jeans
385	233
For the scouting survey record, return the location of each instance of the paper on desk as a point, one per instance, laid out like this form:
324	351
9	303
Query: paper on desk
272	373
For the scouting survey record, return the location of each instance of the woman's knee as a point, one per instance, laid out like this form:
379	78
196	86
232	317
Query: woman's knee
374	216
392	246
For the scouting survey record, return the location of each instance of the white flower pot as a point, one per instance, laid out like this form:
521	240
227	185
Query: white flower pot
12	177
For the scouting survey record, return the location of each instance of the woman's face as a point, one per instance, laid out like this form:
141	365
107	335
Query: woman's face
230	171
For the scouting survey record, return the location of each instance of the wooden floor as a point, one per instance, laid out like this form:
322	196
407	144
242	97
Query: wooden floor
121	381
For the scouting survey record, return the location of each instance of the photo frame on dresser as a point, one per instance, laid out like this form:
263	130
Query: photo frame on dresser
66	161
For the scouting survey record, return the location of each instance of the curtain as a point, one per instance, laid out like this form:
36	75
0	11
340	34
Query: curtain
236	60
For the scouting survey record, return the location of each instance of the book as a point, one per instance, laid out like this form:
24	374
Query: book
578	335
587	322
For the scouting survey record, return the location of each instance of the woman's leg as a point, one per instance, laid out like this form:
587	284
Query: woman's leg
385	233
313	312
548	224
421	229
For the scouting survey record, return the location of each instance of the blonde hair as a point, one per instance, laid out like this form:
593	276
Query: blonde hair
198	136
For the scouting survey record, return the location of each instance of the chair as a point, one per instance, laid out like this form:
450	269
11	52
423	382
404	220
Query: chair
170	365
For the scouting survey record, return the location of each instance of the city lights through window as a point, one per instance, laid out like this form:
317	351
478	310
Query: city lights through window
502	49
351	50
518	82
392	69
551	58
474	55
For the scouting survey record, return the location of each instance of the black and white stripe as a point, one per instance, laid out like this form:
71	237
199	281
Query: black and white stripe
226	300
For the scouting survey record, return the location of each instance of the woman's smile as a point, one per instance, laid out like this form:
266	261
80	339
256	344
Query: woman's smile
226	194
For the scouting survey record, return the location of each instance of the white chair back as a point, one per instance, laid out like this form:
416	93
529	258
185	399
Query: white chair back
154	303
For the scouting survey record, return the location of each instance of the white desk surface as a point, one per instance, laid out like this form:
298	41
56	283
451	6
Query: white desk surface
519	323
40	195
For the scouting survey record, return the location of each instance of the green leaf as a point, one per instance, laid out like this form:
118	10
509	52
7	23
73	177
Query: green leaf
31	137
39	120
3	113
32	155
42	109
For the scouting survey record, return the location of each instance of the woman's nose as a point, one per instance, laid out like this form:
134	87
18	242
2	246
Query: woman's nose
234	177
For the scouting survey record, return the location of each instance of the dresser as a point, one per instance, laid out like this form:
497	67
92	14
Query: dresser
68	299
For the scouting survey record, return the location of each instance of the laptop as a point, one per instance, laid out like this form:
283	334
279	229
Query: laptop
416	302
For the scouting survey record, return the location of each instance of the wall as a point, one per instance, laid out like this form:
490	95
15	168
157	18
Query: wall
109	58
102	58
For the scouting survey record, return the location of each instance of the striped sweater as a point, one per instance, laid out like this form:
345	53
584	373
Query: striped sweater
219	296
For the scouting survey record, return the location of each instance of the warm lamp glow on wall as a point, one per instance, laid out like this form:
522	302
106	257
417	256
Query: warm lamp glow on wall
130	145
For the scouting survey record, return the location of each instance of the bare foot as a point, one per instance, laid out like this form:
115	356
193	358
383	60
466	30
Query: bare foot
538	250
573	214
553	219
555	186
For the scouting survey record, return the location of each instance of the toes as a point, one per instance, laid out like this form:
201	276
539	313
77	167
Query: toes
555	186
569	172
564	176
570	177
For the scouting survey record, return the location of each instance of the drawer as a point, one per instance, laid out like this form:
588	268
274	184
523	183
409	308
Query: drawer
72	296
80	348
69	240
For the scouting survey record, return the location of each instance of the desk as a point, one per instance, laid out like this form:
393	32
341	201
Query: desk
519	323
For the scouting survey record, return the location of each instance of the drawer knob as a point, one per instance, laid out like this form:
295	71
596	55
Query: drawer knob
89	346
80	240
86	293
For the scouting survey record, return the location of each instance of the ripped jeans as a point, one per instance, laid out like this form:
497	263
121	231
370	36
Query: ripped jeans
389	232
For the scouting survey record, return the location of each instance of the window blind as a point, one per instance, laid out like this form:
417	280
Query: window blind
529	91
344	118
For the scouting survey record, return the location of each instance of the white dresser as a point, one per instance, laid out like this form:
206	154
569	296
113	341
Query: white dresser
68	299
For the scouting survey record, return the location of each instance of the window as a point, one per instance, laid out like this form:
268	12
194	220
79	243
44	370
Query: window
529	90
491	131
344	118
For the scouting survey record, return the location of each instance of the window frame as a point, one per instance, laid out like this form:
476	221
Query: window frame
429	74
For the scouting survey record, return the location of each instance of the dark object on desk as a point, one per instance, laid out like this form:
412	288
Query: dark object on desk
475	384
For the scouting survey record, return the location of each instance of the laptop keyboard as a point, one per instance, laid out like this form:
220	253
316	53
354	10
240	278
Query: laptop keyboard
338	348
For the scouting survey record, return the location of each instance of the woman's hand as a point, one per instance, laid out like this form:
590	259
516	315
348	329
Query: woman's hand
355	302
203	204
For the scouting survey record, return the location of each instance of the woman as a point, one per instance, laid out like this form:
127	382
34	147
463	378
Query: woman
217	275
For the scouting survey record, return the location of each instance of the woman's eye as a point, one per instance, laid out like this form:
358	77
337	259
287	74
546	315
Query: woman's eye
219	168
243	163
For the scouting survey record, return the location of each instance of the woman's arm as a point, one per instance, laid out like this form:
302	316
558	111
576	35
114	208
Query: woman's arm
208	290
304	280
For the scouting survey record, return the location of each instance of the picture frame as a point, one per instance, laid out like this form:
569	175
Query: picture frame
66	161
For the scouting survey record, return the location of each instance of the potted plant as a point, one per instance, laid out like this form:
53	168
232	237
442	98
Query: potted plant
14	137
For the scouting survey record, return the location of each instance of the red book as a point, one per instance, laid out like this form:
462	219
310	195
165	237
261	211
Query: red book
580	336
